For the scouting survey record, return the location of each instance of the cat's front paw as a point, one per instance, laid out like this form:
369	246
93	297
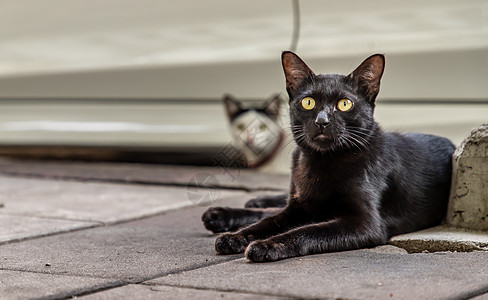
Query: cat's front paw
230	243
218	219
267	251
267	201
258	202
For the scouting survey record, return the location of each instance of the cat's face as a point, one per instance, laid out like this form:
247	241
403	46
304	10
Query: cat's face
332	112
255	129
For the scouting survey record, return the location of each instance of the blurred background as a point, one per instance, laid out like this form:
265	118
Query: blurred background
142	81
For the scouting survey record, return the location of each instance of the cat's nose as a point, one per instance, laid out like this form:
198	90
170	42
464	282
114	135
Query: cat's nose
322	120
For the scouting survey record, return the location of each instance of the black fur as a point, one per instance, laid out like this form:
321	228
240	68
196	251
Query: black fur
267	201
353	185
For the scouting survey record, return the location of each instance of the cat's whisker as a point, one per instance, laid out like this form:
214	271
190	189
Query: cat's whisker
359	128
352	144
288	143
363	141
356	143
363	137
359	131
365	132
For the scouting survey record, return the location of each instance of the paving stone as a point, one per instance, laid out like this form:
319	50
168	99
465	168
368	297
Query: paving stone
387	249
480	297
16	228
176	254
98	202
144	173
26	285
132	251
356	274
468	203
442	238
133	291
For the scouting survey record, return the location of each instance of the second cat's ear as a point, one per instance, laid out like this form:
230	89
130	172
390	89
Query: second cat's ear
273	106
232	106
367	76
296	71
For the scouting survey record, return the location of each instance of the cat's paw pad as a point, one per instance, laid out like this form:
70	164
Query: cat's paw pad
266	251
230	243
218	219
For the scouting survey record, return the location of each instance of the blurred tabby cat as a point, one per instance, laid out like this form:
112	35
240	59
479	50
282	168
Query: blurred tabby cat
255	129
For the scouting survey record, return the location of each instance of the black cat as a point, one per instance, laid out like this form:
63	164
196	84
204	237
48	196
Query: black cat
352	185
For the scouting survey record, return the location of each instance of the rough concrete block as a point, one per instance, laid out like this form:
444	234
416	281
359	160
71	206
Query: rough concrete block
442	238
468	203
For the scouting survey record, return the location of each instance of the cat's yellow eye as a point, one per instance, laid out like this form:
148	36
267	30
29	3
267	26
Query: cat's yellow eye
240	127
344	104
308	103
263	127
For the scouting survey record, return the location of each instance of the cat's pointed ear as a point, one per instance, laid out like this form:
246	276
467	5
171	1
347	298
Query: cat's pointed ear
232	106
296	71
367	76
273	106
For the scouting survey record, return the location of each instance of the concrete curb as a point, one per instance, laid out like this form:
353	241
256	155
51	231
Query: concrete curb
442	238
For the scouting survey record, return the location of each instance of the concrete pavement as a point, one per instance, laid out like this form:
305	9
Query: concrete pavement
123	231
